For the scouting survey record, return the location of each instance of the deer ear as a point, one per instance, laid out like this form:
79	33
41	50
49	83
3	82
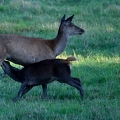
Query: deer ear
69	19
63	18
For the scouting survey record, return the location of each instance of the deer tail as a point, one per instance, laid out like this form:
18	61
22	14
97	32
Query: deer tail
71	59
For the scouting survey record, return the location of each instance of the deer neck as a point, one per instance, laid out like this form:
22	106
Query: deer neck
60	42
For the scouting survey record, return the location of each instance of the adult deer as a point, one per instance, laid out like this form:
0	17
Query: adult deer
25	50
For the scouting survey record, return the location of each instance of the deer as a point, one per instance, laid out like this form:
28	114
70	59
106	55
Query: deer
42	73
26	50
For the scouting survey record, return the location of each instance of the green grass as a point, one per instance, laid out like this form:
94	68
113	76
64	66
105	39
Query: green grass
98	67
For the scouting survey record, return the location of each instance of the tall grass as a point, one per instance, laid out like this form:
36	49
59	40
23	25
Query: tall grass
98	67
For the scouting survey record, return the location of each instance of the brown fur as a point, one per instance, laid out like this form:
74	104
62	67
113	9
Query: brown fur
25	50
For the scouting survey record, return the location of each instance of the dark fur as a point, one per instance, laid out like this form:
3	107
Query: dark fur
42	73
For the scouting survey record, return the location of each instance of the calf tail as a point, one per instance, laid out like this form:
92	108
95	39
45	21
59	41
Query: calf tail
71	59
67	61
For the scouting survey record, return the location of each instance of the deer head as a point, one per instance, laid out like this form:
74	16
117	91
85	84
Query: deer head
69	28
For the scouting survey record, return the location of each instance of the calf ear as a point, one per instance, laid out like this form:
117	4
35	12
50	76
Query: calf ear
69	19
63	18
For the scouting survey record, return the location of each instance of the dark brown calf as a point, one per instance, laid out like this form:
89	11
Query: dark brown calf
42	73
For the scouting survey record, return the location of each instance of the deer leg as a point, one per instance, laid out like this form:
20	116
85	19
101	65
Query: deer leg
75	82
19	94
2	56
77	85
1	59
44	87
3	72
2	53
25	90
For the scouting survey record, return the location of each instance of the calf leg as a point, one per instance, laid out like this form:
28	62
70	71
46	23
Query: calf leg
19	95
26	89
75	82
44	87
3	72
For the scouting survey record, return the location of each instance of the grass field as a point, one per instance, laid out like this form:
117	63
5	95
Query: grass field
98	67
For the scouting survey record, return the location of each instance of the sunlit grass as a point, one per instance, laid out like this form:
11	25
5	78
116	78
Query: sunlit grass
98	64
